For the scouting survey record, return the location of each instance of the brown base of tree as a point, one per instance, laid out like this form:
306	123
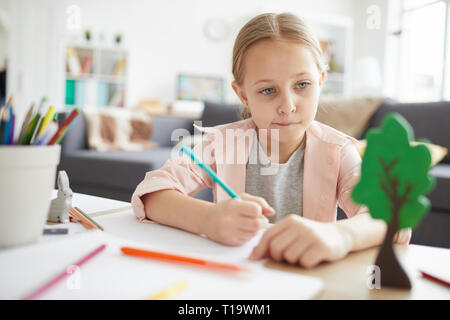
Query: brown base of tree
392	273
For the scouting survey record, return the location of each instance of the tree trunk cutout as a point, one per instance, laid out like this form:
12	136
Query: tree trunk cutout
392	272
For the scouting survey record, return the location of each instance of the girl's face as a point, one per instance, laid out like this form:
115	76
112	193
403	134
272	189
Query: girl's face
281	87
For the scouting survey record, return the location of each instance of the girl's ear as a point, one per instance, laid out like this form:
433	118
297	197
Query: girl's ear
240	93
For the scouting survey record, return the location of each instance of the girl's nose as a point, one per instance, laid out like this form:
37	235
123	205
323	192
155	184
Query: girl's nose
287	105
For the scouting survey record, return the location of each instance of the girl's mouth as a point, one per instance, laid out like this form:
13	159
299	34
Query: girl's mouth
285	124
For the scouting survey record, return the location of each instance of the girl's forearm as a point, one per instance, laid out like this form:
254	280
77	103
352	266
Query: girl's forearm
363	231
172	208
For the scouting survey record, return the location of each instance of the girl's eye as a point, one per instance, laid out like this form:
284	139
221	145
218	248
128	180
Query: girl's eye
302	85
267	91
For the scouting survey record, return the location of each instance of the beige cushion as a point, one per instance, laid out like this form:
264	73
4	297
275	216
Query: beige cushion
348	115
437	152
114	128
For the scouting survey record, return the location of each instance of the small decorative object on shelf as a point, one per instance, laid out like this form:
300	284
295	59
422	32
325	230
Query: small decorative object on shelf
118	38
87	35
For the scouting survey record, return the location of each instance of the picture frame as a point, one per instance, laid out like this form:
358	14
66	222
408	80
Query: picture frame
200	88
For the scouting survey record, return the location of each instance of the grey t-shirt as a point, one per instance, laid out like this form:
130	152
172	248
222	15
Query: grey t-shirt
281	184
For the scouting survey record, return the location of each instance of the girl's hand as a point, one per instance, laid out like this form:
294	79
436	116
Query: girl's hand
235	221
302	241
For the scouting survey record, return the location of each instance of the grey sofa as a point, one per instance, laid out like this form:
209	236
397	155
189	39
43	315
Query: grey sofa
115	174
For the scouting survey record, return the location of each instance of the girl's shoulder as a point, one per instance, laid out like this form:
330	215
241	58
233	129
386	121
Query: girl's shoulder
327	134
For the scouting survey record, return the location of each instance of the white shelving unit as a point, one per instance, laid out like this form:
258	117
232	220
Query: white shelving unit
337	31
103	84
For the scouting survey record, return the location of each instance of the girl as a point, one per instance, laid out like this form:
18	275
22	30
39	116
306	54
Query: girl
278	77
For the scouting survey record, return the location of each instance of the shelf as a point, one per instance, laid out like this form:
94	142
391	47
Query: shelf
98	85
98	77
96	46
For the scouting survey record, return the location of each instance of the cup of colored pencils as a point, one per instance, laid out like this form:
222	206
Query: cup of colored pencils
39	128
28	161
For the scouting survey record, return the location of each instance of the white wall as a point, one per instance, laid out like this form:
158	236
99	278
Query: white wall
163	37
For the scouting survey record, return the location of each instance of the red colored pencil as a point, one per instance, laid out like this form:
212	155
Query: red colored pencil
63	274
181	259
62	130
434	278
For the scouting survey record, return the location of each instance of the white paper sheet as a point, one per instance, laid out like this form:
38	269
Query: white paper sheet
112	275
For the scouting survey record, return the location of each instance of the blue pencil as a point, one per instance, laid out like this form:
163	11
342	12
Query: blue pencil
7	125
208	170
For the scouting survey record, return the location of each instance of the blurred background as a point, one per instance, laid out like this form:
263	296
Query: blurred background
153	53
142	71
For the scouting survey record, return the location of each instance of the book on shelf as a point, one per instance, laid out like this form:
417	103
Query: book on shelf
116	98
70	92
73	62
90	97
102	94
87	64
80	91
120	67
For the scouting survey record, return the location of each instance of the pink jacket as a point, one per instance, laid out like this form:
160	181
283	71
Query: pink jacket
331	169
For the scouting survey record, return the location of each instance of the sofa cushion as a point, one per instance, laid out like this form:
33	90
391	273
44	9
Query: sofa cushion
220	113
168	128
437	152
428	120
117	128
439	197
349	115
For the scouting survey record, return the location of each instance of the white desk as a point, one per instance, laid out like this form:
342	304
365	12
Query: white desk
111	275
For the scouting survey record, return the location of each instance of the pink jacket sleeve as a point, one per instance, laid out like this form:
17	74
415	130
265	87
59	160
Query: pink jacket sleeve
349	173
180	174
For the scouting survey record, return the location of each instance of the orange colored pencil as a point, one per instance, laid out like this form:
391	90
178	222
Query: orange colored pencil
62	130
83	220
181	259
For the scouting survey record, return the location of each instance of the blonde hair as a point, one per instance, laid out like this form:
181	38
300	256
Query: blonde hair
276	27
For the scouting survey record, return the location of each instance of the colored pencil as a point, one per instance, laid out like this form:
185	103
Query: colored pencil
47	118
25	123
7	128
41	114
35	294
435	278
169	292
83	220
2	122
89	218
11	135
181	259
63	129
31	128
209	171
48	133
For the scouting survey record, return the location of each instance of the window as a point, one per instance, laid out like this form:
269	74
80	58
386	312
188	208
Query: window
424	51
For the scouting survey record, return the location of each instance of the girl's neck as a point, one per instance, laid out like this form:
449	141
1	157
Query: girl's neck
285	149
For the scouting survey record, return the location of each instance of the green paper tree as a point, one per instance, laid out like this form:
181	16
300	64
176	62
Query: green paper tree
394	179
